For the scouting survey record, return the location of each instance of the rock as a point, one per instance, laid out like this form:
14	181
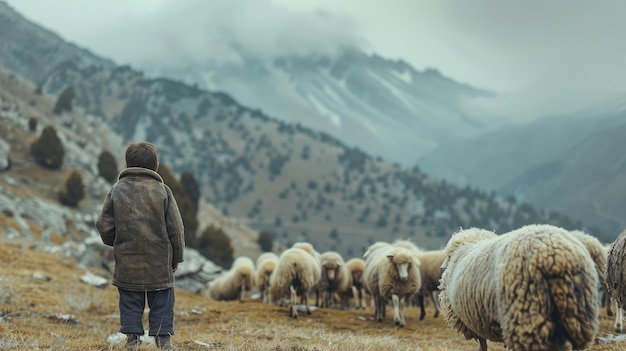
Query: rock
94	280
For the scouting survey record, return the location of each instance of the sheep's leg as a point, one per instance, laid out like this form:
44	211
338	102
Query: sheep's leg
619	312
606	302
435	296
293	312
396	309
306	303
402	316
317	297
420	300
379	302
483	344
242	293
362	302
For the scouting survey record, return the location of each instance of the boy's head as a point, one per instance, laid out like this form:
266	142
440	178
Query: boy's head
142	154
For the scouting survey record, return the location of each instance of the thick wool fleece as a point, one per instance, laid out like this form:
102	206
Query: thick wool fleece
228	287
295	265
264	268
615	274
534	288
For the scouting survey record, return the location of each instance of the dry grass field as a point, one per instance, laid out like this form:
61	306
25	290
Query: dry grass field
61	312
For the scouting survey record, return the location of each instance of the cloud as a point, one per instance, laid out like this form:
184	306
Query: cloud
196	30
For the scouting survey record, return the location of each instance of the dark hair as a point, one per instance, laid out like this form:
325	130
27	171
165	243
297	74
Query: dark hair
142	154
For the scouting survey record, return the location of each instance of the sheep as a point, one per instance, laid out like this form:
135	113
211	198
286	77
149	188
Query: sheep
615	277
356	266
335	276
296	273
599	254
235	282
308	247
430	271
534	288
265	265
391	272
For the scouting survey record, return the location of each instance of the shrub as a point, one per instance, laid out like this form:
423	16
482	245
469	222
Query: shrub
64	102
266	241
216	246
107	166
185	206
48	150
32	124
74	190
190	185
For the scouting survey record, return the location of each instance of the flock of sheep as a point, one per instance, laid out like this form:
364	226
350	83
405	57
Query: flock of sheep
535	288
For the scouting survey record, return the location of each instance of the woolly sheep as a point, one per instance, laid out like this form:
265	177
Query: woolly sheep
335	276
534	288
610	302
308	247
599	254
391	272
235	282
615	276
430	271
296	273
356	266
265	265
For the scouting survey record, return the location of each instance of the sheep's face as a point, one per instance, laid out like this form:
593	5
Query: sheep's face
331	270
402	264
356	276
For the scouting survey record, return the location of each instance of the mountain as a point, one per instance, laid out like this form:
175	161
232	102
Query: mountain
561	163
384	107
292	181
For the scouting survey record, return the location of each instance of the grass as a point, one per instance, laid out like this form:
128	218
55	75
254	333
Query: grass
62	313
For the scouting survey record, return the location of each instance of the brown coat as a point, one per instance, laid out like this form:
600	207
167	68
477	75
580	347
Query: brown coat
141	220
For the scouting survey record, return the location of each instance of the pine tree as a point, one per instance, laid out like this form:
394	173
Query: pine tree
216	246
190	185
185	206
64	102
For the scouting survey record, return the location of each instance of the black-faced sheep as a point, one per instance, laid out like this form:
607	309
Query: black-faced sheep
356	266
534	288
265	265
235	282
391	273
335	277
615	276
296	274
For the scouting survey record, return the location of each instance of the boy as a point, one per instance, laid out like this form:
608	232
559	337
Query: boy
141	220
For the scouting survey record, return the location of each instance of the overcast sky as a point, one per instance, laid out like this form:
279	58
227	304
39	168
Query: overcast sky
540	56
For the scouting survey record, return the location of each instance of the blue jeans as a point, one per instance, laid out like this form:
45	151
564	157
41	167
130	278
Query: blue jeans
160	318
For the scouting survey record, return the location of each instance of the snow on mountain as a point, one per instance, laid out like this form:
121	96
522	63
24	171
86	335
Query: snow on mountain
384	107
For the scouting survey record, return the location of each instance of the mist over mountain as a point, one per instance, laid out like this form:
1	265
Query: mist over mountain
570	163
387	108
293	181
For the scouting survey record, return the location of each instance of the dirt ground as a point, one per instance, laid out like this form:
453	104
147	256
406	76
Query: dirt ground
44	305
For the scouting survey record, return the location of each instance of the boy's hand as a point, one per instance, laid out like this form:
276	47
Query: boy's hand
175	268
